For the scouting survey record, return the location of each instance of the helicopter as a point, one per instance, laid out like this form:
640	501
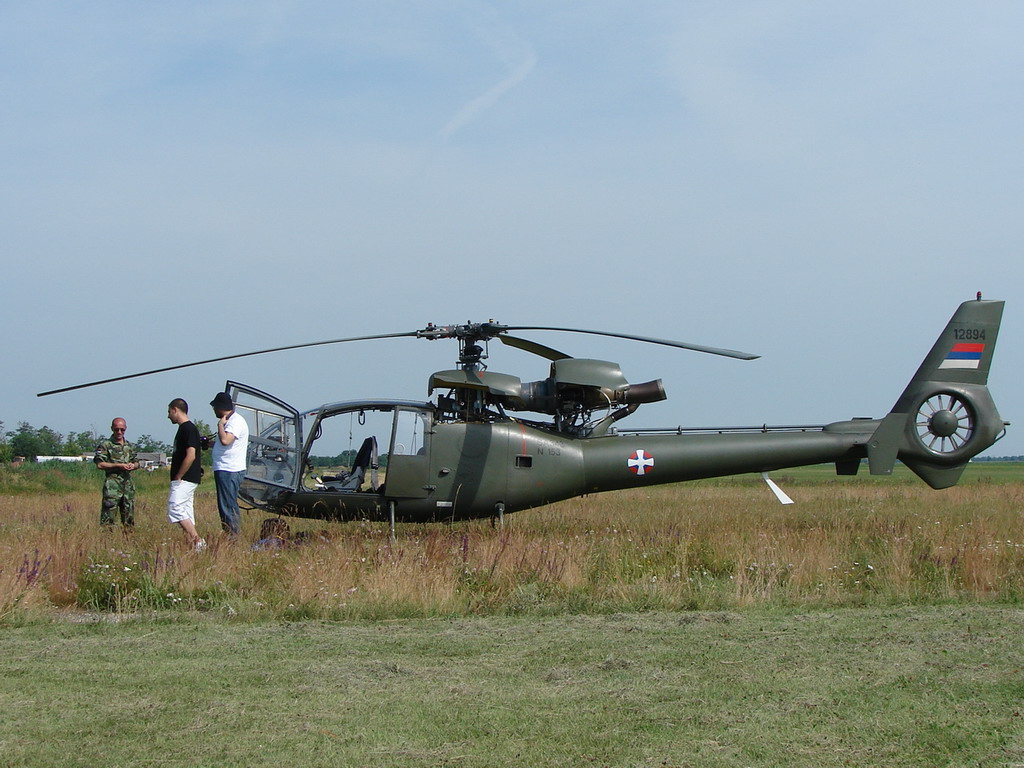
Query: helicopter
488	444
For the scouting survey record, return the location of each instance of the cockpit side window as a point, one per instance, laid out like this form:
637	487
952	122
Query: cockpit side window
410	433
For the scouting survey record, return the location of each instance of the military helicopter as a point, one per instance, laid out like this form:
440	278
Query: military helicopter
468	453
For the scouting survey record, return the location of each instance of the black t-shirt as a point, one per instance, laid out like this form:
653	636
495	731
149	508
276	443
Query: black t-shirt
187	437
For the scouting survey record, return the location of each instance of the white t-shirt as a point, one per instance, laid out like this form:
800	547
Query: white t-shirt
231	458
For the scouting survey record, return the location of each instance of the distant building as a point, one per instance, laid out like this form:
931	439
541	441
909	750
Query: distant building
70	459
153	460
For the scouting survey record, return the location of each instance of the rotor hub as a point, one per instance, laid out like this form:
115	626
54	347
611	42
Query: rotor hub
943	423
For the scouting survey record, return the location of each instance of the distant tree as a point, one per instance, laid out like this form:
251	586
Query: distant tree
25	441
149	444
205	429
77	443
71	447
30	442
52	442
344	459
86	440
6	454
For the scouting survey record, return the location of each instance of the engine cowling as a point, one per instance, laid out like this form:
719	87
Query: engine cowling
589	384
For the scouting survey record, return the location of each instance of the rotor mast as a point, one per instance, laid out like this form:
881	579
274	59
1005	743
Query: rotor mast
472	338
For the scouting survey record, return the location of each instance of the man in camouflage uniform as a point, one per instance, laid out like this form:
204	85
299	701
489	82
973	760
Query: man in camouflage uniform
118	458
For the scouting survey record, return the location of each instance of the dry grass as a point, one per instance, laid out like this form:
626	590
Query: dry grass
694	546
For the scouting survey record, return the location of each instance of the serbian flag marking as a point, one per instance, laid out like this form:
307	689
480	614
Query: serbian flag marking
963	355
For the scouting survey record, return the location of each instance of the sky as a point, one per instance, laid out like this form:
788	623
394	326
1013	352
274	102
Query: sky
817	183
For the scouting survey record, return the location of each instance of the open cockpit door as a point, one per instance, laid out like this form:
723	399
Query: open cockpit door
274	461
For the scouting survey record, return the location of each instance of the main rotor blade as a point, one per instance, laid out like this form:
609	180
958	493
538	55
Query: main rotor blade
532	346
647	339
226	357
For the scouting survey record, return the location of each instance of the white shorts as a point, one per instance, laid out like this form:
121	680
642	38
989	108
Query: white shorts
179	502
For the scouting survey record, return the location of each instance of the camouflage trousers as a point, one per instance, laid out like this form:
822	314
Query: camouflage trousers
114	502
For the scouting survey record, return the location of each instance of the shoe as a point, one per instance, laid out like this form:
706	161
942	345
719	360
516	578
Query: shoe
199	546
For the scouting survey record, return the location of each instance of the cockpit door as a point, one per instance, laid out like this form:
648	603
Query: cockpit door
408	455
274	460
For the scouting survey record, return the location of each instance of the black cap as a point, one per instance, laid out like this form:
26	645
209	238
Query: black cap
222	402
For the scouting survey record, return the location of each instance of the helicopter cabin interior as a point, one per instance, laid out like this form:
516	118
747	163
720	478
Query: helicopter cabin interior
335	449
344	450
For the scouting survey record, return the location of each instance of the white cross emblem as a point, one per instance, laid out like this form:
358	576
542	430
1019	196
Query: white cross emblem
640	462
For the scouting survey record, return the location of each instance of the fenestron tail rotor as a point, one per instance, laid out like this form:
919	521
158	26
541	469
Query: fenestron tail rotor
945	423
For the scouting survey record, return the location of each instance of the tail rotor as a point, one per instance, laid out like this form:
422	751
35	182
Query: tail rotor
945	416
945	423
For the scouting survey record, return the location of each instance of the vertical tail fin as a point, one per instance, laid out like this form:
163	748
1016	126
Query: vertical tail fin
945	416
963	352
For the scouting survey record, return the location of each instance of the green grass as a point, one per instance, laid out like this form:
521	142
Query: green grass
924	686
66	477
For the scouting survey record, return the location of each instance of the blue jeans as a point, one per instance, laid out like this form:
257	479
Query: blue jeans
227	499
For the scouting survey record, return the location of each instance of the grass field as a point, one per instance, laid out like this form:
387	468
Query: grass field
699	546
914	686
873	623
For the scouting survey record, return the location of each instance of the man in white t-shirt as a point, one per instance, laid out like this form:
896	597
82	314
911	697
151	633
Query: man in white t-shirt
229	452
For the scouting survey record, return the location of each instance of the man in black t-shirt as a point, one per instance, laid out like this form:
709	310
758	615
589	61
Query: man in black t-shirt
186	472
